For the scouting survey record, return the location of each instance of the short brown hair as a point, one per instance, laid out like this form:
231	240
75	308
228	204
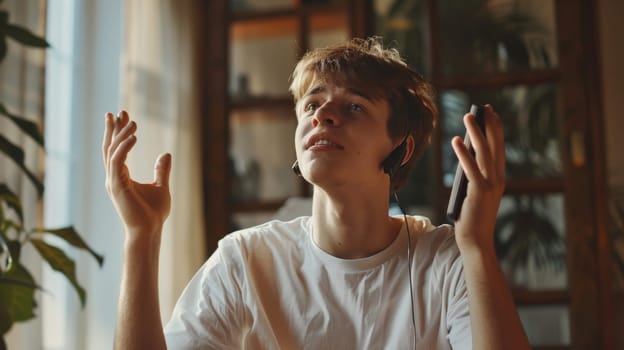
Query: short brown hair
382	73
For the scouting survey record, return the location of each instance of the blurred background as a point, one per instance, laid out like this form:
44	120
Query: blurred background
208	82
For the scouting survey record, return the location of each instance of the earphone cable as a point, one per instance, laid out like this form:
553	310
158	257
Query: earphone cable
409	263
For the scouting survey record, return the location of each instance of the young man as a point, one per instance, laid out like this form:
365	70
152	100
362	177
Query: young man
349	276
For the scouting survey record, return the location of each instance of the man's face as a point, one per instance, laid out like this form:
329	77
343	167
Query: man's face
342	136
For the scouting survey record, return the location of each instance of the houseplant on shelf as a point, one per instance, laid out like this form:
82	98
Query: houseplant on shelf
17	286
530	229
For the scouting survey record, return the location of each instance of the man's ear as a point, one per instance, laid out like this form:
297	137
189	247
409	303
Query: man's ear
409	149
399	156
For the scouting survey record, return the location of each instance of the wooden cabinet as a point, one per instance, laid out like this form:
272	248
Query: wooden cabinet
531	59
264	43
249	147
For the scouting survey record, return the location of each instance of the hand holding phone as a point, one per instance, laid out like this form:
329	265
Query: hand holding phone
460	183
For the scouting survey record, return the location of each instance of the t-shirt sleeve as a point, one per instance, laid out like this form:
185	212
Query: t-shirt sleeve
458	315
210	313
458	329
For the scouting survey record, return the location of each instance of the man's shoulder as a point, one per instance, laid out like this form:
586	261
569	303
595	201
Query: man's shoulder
274	233
435	243
426	232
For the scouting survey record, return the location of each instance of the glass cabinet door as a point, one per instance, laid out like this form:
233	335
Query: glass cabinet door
501	52
479	37
266	38
528	58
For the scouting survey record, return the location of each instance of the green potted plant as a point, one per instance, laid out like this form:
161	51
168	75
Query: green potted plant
481	37
17	286
526	231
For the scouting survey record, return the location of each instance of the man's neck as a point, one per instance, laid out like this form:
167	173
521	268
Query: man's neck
353	226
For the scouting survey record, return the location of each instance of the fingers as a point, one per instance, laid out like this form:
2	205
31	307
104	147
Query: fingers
489	162
109	124
162	170
126	132
496	142
118	171
115	127
479	143
122	120
120	134
466	160
118	140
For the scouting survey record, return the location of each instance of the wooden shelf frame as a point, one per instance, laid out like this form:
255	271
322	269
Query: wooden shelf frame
576	76
498	80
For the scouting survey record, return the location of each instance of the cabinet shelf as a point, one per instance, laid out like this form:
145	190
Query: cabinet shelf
285	12
528	187
255	28
271	23
535	186
254	15
531	77
526	297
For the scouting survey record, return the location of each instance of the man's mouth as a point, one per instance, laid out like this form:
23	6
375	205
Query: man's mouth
324	143
321	141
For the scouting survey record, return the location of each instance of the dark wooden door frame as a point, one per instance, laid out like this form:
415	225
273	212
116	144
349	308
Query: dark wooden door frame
212	73
588	250
583	151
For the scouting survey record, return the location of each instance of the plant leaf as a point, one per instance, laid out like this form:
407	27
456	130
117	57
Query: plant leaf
16	282
11	200
28	127
4	17
72	237
17	297
3	48
25	36
11	250
6	258
23	287
15	249
5	318
61	263
11	150
17	155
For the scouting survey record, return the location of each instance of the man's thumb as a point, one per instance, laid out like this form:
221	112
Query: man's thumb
162	169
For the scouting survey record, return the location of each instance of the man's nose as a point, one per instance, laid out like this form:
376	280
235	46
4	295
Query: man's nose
327	114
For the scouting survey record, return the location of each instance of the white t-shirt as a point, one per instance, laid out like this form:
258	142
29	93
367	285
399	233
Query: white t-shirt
272	287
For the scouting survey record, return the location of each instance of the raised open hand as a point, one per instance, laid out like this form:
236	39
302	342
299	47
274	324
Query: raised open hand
486	181
143	208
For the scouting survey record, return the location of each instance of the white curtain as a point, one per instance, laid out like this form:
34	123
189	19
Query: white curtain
82	83
158	92
83	78
97	50
21	92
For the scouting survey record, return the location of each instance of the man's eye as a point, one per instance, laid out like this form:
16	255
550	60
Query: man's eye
354	107
311	107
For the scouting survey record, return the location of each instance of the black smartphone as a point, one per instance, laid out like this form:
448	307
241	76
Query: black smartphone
460	183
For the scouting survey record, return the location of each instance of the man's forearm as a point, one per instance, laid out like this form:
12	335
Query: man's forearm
493	316
139	325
